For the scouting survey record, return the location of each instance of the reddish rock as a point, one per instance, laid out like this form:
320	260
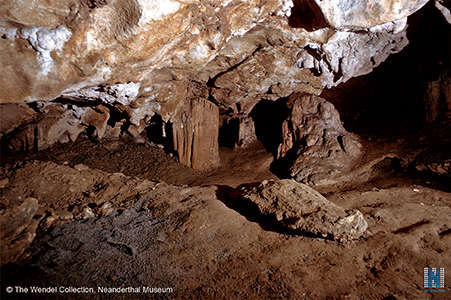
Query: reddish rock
315	141
58	123
298	207
17	230
195	134
14	116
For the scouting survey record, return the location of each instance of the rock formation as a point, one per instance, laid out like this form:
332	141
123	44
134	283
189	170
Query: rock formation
18	230
366	13
138	59
196	134
147	95
315	144
302	209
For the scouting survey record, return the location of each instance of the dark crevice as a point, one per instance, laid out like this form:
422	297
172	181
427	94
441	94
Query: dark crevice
91	133
389	101
35	140
313	52
229	132
412	227
340	142
79	103
211	83
34	106
268	117
339	74
281	166
122	248
95	3
444	232
160	133
306	14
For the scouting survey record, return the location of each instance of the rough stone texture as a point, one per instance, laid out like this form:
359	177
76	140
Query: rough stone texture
14	116
17	230
246	132
55	123
437	102
128	44
75	184
69	193
366	13
299	207
442	168
141	58
315	144
444	6
350	54
195	133
190	239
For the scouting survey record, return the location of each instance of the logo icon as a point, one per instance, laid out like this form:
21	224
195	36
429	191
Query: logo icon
434	279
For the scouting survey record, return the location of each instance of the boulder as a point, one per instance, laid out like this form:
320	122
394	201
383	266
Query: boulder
14	116
17	230
298	207
315	145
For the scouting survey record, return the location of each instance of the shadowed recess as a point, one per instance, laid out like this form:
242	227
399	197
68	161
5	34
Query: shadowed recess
306	14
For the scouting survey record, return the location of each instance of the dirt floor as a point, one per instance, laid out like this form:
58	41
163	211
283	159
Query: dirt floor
125	230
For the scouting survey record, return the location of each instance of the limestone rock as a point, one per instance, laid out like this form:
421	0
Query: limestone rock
441	168
246	133
348	54
17	230
64	187
138	59
195	133
58	123
14	116
315	144
437	99
298	207
444	8
120	51
366	13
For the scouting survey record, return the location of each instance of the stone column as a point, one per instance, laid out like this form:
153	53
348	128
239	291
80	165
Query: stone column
195	133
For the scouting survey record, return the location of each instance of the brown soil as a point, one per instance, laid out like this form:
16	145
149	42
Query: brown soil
190	238
151	162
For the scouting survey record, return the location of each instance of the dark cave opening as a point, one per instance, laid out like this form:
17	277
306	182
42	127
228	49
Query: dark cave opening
160	133
268	117
390	101
229	132
306	14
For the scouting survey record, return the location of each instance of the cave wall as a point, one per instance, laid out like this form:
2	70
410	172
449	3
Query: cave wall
105	68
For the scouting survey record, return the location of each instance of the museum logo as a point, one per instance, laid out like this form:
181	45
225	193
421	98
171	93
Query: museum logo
434	280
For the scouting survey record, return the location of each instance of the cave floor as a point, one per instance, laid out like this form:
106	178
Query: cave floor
181	232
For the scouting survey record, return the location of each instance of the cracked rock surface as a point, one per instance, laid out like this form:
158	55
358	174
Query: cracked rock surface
315	144
299	207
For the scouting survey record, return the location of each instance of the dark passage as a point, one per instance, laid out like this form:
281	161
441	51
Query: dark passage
306	14
391	100
228	132
160	133
268	117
